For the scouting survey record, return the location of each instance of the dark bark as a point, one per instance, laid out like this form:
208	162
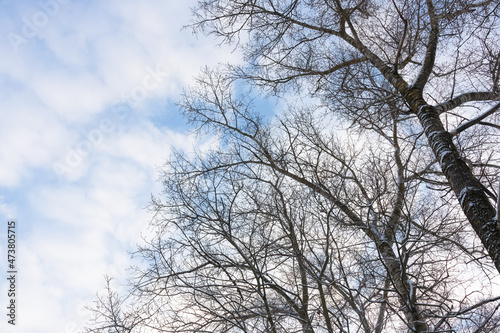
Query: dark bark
469	191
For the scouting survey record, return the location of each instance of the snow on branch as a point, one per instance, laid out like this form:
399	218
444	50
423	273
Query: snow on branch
475	120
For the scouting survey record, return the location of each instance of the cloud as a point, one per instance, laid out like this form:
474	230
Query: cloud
84	228
30	135
86	59
7	211
79	142
55	279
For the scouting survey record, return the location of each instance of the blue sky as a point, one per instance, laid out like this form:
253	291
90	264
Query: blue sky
87	102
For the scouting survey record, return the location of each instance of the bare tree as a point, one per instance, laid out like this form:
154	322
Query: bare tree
428	59
288	227
341	216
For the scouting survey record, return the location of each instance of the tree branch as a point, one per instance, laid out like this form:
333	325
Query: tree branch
474	121
308	72
430	56
467	97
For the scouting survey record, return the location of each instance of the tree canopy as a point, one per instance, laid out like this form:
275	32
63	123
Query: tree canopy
369	208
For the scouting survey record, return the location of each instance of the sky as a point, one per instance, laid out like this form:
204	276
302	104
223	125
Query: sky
87	117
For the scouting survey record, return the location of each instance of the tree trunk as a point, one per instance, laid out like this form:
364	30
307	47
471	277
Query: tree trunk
469	191
398	278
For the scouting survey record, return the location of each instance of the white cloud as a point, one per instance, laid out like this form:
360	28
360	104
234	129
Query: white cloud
56	94
88	57
85	227
29	137
55	278
7	211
